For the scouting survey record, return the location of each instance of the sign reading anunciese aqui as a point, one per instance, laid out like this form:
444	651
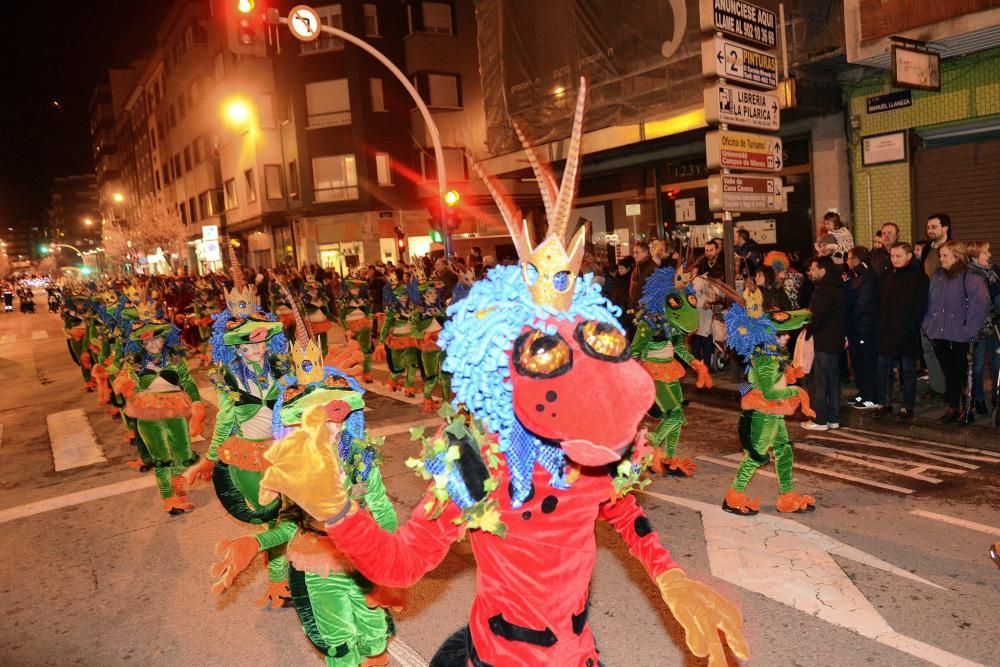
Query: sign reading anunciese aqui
740	19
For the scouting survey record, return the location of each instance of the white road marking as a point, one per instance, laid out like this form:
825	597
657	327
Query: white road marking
856	460
73	441
857	440
396	429
8	338
730	464
404	653
971	525
839	475
787	561
377	387
70	499
937	445
39	335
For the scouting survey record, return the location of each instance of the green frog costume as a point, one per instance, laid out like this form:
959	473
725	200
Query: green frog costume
668	313
428	322
400	341
354	312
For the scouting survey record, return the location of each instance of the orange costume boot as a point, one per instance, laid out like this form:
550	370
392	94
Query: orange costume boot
793	502
737	502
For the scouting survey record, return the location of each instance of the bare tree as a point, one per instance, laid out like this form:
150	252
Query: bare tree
154	226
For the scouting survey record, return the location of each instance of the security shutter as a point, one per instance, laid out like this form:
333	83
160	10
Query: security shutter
962	180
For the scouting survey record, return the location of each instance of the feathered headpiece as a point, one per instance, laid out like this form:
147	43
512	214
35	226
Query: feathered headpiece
307	356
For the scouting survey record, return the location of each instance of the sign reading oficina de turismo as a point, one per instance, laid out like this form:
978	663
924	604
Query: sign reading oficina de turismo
727	59
740	19
743	150
742	107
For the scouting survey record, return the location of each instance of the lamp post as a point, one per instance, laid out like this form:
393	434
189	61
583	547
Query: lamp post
424	111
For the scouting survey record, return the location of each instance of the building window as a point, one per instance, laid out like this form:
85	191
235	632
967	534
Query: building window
251	185
203	203
166	172
327	103
220	66
272	181
172	115
371	20
187	158
329	15
383	166
193	210
293	179
229	192
438	18
196	149
265	110
440	89
156	174
454	164
152	139
335	178
378	97
177	166
183	211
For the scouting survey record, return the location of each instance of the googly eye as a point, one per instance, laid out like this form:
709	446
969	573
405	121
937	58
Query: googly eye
602	341
540	355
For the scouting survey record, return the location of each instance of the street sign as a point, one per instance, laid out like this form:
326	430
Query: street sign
743	150
742	107
740	19
721	57
211	251
209	232
739	193
304	22
633	209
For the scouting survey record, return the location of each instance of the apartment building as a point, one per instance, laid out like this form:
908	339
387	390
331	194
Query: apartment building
74	212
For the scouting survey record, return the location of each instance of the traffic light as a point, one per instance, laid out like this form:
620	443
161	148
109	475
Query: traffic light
436	235
247	27
451	198
44	249
400	240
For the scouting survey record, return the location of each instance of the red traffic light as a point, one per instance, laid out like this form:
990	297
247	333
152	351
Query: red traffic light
451	197
244	6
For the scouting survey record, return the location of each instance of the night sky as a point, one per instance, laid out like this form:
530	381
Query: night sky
58	50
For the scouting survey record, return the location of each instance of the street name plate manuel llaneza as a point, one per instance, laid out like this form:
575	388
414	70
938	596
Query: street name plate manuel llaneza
739	193
742	20
742	107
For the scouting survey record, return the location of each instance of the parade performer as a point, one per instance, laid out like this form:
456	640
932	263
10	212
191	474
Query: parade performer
429	318
768	398
341	612
317	309
667	314
400	343
528	493
250	353
355	315
206	309
160	395
75	328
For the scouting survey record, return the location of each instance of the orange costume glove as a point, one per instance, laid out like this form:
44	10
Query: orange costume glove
345	358
234	557
793	374
804	403
199	472
124	385
100	375
197	418
702	613
378	354
393	599
704	377
86	361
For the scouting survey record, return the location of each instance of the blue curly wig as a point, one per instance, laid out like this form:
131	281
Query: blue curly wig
172	346
224	354
477	340
658	286
748	335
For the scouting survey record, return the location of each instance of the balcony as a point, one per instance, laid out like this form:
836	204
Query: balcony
335	194
328	119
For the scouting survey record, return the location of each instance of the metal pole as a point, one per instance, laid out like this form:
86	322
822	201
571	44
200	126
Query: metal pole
661	228
424	111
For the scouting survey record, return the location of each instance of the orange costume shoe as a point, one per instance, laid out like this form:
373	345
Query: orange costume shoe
377	660
367	378
175	505
430	406
737	502
680	467
409	392
793	502
392	385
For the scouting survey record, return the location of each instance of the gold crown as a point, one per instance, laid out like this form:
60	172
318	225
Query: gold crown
754	303
308	363
132	293
550	268
145	311
240	302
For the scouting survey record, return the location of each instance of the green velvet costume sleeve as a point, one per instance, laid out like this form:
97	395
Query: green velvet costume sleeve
378	502
643	334
765	375
187	384
225	420
279	533
680	349
387	324
342	316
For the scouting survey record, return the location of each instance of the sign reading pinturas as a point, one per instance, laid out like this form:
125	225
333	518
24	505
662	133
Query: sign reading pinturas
744	194
743	150
727	59
743	20
742	107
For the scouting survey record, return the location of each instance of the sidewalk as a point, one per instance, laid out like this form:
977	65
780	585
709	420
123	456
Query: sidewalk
923	427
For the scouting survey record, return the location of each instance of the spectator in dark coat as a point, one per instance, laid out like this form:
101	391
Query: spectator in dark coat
775	296
619	281
957	305
880	256
748	251
902	304
826	330
711	264
861	301
644	267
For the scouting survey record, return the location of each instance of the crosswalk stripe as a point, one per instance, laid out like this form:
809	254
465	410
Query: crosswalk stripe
380	389
73	441
70	499
856	460
7	338
964	523
396	429
839	475
731	464
404	653
953	449
39	335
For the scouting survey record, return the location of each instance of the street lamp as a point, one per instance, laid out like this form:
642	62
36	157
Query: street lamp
118	197
88	221
236	112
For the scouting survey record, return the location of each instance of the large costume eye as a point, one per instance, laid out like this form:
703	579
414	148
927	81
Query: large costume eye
539	355
602	341
692	300
674	302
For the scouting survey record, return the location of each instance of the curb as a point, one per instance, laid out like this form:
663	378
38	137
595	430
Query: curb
975	436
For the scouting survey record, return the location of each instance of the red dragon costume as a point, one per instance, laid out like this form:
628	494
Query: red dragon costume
554	400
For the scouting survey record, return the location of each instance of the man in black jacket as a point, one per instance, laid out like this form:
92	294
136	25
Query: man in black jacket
826	329
861	298
903	299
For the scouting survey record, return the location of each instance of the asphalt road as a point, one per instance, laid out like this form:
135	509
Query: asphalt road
891	569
